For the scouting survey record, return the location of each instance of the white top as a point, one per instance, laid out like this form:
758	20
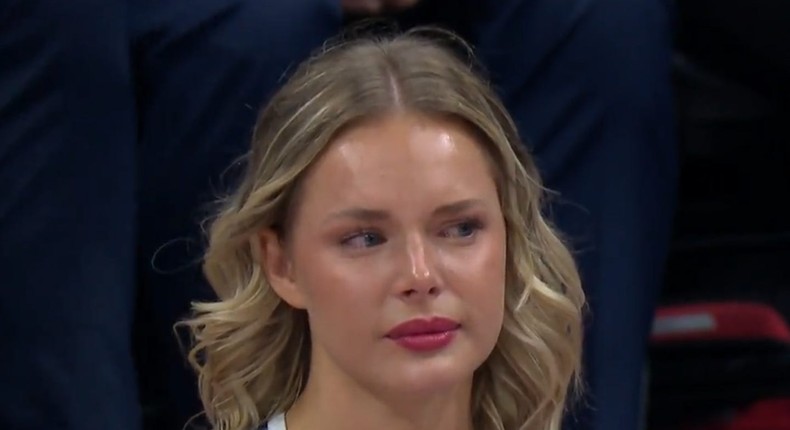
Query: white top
277	423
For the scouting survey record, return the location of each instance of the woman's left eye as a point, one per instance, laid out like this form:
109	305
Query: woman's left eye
464	229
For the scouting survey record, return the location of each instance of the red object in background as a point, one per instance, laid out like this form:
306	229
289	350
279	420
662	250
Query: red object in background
739	322
771	414
730	321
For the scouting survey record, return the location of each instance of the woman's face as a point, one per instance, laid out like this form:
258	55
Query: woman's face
397	252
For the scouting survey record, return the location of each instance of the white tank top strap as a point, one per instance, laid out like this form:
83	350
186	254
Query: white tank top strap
277	423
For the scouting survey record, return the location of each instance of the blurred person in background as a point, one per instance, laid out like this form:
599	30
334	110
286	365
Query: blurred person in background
116	120
109	109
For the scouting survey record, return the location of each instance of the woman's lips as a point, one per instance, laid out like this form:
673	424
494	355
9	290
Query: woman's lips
424	334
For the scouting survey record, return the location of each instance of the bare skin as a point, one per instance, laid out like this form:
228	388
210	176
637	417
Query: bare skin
372	7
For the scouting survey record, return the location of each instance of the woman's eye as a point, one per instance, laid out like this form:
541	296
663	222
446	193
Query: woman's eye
363	240
462	229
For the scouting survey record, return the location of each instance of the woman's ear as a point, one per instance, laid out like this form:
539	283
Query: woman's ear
274	259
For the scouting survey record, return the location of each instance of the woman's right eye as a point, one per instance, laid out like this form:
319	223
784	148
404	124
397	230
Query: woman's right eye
363	239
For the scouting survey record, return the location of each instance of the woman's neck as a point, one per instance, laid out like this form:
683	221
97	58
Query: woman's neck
332	404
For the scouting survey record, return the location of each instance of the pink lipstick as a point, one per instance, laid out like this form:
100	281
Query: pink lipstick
423	335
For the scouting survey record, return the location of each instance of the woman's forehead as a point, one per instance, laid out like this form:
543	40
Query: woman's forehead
401	159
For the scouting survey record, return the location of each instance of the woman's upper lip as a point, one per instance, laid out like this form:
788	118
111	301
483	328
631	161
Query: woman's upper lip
422	326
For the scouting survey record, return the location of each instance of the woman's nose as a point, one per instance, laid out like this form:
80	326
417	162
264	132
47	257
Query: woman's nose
421	268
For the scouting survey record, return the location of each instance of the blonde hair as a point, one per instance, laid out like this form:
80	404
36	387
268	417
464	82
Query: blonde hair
251	350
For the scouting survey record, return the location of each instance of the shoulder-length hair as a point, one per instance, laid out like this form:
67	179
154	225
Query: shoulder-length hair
251	350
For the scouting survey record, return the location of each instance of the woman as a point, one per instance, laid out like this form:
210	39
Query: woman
384	263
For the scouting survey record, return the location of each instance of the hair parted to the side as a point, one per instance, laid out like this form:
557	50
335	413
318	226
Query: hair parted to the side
251	350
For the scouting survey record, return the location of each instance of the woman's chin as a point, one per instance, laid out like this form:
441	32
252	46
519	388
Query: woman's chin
430	377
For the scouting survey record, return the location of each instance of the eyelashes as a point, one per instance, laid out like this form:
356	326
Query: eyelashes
363	239
463	231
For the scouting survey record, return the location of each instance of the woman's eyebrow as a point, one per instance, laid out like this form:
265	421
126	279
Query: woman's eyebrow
369	214
458	206
359	213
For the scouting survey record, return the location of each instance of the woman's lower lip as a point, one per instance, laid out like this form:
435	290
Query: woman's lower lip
426	342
